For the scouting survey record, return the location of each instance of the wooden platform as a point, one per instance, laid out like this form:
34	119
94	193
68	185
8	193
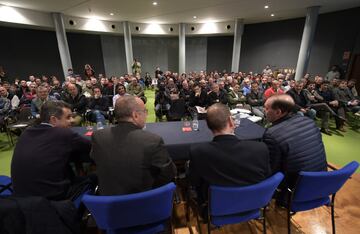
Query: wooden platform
318	221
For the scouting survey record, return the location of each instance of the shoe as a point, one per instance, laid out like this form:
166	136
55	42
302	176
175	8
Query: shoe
342	129
357	114
326	131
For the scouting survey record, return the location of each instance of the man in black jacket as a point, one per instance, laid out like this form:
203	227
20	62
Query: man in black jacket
226	161
77	102
294	141
40	164
129	159
98	106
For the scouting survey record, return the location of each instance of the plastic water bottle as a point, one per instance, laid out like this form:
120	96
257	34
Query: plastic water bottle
99	124
195	123
237	119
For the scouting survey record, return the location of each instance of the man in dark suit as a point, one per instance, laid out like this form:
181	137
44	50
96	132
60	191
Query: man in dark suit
226	161
40	164
129	159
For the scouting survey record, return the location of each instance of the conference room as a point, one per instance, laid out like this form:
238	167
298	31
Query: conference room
179	117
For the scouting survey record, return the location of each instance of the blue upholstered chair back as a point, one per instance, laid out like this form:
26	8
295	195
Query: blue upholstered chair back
238	204
4	182
113	213
314	188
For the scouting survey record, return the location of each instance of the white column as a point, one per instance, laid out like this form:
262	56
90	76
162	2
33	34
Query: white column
62	42
128	46
307	41
239	29
182	48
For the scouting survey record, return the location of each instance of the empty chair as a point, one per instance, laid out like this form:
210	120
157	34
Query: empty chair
5	185
314	188
229	205
145	212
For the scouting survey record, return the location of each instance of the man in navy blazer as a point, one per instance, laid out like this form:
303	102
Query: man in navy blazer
40	164
226	161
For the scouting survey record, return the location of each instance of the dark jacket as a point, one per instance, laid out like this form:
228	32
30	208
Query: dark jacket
198	101
40	164
227	161
295	145
301	100
213	98
78	104
101	104
130	160
255	99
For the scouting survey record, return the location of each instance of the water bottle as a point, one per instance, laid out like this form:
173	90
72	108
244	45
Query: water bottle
195	123
237	119
99	124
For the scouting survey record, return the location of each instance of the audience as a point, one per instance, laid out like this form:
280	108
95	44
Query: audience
42	96
147	166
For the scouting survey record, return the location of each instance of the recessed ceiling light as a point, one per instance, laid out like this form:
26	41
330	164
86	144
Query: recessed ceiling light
111	13
155	3
272	15
266	7
194	17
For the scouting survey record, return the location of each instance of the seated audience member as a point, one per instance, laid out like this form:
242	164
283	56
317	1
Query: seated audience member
294	141
77	102
274	89
346	99
197	97
5	107
135	89
87	89
236	97
13	98
185	93
226	161
98	106
120	92
22	89
28	96
149	165
216	95
302	103
256	100
56	90
42	96
352	88
264	85
40	163
331	107
162	100
246	89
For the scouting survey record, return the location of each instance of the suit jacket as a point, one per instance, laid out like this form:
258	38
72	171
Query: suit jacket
40	164
130	160
227	161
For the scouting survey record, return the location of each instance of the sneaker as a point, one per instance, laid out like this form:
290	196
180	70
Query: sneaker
357	114
342	129
326	131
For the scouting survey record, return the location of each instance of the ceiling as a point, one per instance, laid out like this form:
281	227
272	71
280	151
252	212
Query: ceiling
176	11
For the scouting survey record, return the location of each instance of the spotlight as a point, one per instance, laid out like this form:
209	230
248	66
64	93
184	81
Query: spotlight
111	14
155	3
266	7
272	15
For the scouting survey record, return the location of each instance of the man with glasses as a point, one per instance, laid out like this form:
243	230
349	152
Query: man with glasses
129	159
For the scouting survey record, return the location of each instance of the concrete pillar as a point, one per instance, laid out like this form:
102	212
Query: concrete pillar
182	48
307	41
62	42
239	29
128	46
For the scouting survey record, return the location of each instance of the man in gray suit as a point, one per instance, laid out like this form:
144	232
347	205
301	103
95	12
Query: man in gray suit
129	159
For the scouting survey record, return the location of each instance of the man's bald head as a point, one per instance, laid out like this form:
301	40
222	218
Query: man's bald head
131	109
277	106
217	117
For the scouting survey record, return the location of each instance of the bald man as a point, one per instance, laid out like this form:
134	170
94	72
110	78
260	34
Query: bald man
294	141
226	160
129	159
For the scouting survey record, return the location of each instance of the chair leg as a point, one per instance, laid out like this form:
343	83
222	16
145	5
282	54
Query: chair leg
264	220
288	219
209	227
333	213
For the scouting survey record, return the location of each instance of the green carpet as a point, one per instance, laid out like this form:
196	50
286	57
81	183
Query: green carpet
341	148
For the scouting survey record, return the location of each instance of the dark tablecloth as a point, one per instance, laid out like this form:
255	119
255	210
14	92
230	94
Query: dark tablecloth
178	142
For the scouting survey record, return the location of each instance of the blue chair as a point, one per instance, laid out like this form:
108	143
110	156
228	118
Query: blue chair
5	185
314	188
229	205
145	212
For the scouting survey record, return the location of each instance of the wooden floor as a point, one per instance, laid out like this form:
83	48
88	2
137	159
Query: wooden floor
318	221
